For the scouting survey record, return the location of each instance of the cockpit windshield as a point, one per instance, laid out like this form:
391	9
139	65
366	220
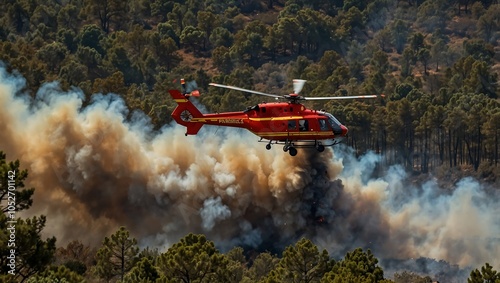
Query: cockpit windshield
333	122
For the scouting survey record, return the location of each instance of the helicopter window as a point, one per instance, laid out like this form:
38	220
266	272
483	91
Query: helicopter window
303	125
334	123
323	125
292	125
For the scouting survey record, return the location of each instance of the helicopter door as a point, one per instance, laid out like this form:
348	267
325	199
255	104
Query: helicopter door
323	125
303	125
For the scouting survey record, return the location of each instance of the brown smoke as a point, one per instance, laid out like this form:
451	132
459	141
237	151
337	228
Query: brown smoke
95	170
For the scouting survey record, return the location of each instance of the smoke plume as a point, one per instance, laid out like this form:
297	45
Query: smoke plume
94	170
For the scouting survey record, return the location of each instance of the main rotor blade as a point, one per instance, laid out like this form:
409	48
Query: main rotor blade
298	85
245	90
341	97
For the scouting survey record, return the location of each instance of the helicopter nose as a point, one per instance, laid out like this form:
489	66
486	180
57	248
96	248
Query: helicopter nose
344	130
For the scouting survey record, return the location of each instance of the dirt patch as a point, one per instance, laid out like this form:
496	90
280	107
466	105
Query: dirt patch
197	63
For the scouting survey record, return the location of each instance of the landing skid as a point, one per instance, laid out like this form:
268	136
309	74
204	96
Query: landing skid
291	146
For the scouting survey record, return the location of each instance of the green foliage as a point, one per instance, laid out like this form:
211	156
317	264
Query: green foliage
143	271
23	196
193	38
165	52
301	263
57	274
402	90
68	17
400	32
151	254
193	259
488	23
472	75
117	255
77	267
357	266
479	50
32	254
207	22
120	60
262	266
109	13
52	54
432	15
75	256
91	36
438	49
350	22
236	254
407	62
423	56
486	275
222	59
235	268
417	42
221	37
160	8
410	277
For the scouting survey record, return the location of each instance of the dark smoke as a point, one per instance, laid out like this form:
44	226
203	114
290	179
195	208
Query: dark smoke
95	170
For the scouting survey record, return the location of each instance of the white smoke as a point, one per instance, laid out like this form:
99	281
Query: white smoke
213	211
460	225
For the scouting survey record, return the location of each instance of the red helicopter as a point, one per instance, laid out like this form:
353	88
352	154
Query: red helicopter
289	123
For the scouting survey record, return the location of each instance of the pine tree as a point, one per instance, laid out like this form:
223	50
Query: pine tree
486	275
31	253
357	266
117	255
301	263
193	259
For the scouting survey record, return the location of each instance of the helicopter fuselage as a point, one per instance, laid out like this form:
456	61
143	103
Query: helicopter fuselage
280	121
274	121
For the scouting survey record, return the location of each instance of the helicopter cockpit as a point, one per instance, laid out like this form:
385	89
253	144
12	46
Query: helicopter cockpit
334	123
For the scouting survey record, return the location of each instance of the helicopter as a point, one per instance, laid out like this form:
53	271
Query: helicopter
286	122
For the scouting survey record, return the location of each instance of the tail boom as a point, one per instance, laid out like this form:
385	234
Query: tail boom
188	115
